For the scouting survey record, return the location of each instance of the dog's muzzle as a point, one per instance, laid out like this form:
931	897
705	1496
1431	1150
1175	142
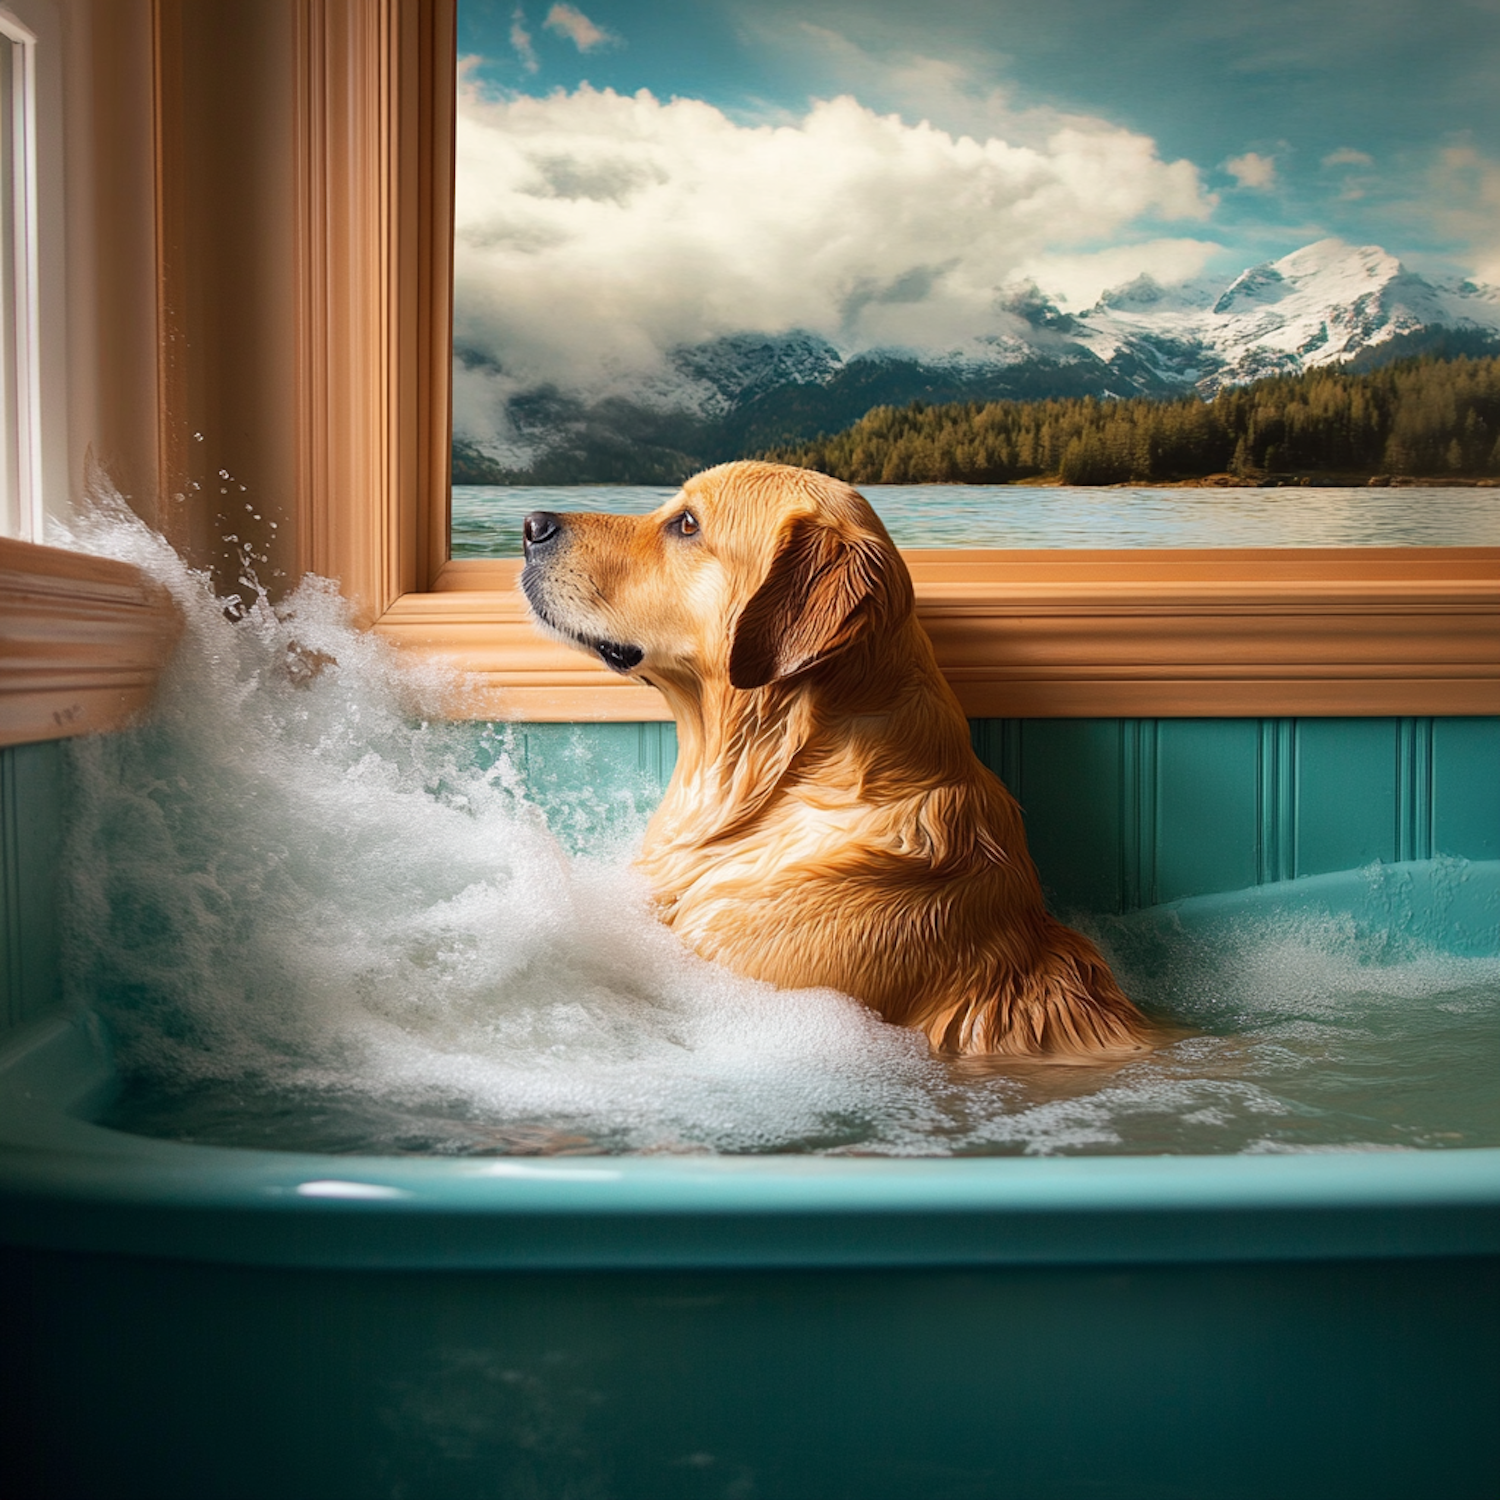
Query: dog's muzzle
541	533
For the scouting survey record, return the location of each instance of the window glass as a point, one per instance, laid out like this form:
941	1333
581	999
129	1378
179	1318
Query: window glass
14	510
20	490
688	232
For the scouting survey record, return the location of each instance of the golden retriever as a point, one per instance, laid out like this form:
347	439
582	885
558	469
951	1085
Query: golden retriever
828	822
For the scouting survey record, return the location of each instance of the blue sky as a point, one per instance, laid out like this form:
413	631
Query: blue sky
1373	120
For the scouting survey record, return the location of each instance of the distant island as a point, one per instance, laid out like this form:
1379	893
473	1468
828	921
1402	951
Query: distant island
1432	419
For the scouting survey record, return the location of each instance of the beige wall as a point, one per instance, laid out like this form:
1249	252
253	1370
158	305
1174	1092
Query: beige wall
227	196
110	254
257	201
181	300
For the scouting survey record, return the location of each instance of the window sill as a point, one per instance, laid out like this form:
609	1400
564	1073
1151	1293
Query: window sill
82	642
1179	634
1081	634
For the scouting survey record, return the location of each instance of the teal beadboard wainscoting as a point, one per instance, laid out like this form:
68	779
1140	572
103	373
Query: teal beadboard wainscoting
1126	813
1121	813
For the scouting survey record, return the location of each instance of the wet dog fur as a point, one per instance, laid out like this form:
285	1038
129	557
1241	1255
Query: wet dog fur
828	822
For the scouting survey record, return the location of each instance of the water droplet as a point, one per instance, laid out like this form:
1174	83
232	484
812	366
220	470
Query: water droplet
197	437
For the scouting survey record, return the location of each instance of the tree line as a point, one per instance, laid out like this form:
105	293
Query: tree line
1426	417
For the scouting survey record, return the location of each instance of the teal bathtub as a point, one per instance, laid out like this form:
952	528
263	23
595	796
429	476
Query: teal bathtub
191	1321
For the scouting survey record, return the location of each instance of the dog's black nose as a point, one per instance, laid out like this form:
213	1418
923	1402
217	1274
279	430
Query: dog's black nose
539	528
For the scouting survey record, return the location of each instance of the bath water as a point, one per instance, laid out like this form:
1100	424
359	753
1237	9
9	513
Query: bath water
315	916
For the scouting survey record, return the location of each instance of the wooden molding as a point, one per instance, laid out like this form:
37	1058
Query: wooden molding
1079	634
82	642
1036	634
374	143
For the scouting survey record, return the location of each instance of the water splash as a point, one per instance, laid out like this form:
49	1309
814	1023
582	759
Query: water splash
318	916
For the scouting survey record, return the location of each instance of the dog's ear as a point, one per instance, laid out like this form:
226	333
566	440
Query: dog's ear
822	588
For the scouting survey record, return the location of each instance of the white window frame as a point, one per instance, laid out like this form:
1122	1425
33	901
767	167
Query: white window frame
26	518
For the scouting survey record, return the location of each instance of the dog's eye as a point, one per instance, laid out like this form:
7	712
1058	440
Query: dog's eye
684	525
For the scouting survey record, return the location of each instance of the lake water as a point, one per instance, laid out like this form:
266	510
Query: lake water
487	519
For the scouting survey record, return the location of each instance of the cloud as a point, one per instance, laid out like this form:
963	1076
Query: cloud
597	231
520	40
1346	156
1076	281
570	22
959	94
1252	170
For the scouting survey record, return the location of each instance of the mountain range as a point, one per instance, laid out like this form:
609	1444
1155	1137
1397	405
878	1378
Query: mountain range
1325	304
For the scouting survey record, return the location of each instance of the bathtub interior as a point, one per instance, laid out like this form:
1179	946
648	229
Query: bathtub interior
1355	1012
296	877
1416	942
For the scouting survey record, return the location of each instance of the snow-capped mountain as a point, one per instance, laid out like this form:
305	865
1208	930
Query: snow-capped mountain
1324	304
1327	303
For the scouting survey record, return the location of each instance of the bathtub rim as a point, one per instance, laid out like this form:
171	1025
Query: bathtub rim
71	1185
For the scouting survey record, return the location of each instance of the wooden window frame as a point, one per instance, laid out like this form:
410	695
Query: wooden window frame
83	641
1174	633
1079	634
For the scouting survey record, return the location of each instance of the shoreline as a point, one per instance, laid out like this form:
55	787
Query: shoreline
1323	482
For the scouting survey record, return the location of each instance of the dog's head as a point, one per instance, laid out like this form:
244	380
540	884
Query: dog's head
753	573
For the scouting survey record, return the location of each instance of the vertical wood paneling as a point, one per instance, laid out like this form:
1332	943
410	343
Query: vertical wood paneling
12	970
656	752
1125	813
997	742
1414	789
1205	805
1276	846
1466	788
1069	788
1209	813
30	845
1347	793
1139	740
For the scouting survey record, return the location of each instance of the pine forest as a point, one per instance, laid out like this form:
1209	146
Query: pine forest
1422	418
